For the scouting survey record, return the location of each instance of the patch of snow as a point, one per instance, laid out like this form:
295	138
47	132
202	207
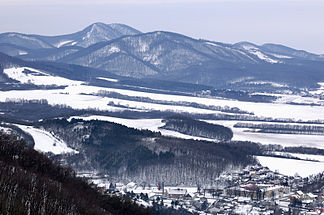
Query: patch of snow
5	130
22	53
113	49
319	91
255	51
213	44
62	43
152	58
107	79
290	166
281	56
46	142
274	84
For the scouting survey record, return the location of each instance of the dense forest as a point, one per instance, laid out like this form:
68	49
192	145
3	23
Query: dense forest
31	183
197	128
314	183
128	154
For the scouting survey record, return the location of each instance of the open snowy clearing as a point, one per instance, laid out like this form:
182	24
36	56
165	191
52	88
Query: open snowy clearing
46	142
290	166
37	77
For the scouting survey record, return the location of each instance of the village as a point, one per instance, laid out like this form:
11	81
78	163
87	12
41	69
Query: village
253	190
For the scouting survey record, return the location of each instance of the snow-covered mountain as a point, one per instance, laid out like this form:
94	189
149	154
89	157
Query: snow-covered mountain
124	51
97	32
171	56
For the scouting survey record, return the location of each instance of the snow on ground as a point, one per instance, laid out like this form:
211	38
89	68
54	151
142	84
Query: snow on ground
113	49
71	97
320	90
62	43
149	124
268	138
274	84
255	51
289	98
303	156
5	130
22	53
75	100
260	109
290	166
107	79
45	141
281	56
279	139
37	77
57	97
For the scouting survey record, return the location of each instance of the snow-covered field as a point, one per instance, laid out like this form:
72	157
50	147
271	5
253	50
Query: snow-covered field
268	138
291	98
71	96
45	141
290	166
37	77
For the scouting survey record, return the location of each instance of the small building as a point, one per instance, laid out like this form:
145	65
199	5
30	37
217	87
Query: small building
177	193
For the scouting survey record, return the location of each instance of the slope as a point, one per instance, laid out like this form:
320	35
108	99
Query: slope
30	183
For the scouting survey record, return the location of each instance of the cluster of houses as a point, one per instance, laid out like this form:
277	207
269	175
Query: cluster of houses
253	190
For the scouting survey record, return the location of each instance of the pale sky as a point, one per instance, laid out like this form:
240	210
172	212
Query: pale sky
295	23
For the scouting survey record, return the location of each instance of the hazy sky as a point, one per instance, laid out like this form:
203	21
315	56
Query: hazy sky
295	23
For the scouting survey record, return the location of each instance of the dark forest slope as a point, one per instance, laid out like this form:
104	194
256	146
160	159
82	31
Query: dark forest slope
30	183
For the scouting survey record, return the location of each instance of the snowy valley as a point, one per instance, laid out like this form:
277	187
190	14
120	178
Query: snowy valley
122	116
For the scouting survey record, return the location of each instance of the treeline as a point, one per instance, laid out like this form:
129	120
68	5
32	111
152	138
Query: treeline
304	150
283	128
30	183
197	128
225	109
242	95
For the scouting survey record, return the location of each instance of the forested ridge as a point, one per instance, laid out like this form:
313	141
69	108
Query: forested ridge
197	128
128	154
31	183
